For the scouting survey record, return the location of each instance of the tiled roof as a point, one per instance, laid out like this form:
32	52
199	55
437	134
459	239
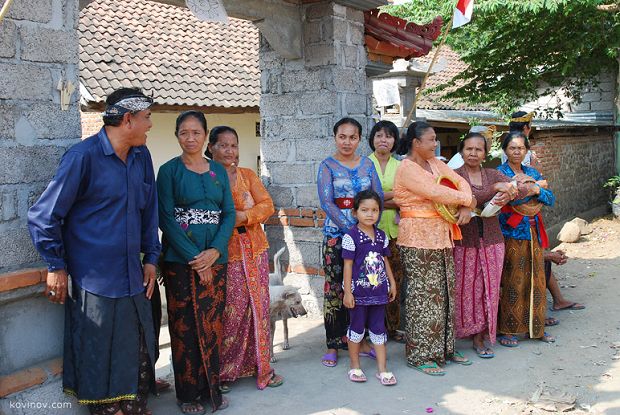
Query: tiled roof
167	52
448	66
392	37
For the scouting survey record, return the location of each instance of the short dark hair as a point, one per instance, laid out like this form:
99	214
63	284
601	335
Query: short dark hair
518	126
389	128
511	136
116	96
366	195
214	135
348	120
472	135
187	114
415	131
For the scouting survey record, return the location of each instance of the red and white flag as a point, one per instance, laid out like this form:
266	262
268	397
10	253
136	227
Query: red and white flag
462	13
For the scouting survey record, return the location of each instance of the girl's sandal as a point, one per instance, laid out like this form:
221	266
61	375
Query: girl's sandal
357	375
224	388
386	378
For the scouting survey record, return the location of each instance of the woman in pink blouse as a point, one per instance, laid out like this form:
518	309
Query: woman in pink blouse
479	256
425	242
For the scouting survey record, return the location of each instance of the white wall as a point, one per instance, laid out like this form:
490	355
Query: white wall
163	144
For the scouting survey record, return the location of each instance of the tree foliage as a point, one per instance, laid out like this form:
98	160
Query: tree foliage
516	47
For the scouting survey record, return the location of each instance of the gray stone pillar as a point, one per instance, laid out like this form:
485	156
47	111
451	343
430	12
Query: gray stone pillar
300	102
38	48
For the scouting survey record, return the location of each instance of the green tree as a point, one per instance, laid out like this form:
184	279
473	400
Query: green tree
515	47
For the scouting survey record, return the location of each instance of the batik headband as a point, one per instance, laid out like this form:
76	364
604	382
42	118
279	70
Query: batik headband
526	118
129	104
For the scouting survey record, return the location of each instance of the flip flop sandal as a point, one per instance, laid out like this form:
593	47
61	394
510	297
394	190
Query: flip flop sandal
458	354
399	338
330	359
551	321
547	338
371	354
224	388
225	403
571	306
508	341
484	352
275	381
386	378
161	385
191	408
424	369
357	375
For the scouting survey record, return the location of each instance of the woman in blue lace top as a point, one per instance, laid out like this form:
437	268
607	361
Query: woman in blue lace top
340	178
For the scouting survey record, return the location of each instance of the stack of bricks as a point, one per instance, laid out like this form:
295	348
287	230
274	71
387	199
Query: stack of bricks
303	217
91	123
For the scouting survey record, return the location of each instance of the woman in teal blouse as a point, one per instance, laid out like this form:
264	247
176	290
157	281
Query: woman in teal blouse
383	140
196	216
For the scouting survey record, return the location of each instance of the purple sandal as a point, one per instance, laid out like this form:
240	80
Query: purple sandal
330	359
371	354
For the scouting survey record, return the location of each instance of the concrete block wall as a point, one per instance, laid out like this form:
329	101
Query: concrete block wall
300	102
38	48
576	162
598	97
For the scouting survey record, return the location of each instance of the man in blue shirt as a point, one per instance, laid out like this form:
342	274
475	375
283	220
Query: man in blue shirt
92	223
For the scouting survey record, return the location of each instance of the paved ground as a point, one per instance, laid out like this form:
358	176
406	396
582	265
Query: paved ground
579	364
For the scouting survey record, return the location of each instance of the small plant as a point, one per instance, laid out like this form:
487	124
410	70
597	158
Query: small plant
612	185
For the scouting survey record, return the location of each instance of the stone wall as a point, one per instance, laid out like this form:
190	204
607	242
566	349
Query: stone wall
576	162
300	102
38	48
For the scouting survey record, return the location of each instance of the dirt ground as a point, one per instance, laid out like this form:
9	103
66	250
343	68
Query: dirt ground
580	366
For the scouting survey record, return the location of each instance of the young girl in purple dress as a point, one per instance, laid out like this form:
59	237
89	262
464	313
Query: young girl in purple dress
368	284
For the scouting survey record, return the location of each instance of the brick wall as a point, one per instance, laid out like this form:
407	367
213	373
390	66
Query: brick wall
576	162
91	123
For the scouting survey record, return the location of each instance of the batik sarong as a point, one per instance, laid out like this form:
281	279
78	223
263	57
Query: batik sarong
246	339
478	276
392	309
429	304
334	312
109	349
523	299
195	323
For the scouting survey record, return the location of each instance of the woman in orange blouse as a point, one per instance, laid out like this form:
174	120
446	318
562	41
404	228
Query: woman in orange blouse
425	242
245	344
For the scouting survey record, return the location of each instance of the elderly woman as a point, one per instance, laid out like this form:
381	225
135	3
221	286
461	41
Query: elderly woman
245	346
340	178
196	216
425	242
523	301
383	140
479	256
